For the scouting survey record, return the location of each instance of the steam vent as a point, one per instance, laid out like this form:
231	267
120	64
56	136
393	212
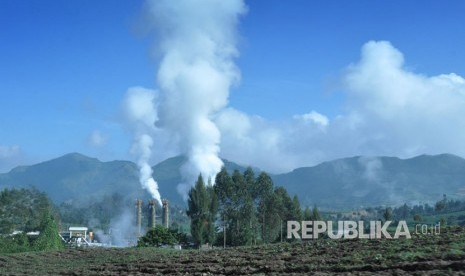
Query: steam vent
166	213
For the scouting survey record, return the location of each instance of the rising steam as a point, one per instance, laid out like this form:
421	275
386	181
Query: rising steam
196	41
139	110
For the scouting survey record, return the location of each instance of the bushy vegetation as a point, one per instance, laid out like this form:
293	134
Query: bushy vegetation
49	238
23	211
15	243
160	236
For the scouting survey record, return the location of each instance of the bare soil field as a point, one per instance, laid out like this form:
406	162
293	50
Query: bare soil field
442	254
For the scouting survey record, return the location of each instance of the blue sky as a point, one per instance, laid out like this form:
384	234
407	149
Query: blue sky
65	67
301	47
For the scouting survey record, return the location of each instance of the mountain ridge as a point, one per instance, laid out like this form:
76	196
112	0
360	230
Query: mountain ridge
379	180
341	183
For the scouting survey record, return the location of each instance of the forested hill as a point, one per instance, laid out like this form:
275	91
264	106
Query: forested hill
371	181
75	176
343	183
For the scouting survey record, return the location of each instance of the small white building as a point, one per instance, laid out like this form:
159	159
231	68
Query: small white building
78	232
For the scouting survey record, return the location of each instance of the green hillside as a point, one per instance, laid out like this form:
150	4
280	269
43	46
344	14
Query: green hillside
362	181
75	176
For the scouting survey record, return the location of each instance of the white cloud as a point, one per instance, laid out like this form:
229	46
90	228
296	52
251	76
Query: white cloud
389	111
380	85
409	113
313	117
97	139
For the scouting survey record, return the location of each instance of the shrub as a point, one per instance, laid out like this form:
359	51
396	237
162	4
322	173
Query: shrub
158	237
49	238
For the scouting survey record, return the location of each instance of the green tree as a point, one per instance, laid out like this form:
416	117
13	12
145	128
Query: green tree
202	209
212	215
224	192
249	222
440	205
241	212
296	210
249	177
263	186
198	210
285	206
49	237
387	215
404	211
269	211
23	210
316	213
157	237
263	193
307	214
251	203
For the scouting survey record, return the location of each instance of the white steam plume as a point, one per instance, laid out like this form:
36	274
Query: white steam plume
139	110
197	44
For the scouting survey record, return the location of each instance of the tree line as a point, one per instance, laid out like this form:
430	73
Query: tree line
242	209
418	211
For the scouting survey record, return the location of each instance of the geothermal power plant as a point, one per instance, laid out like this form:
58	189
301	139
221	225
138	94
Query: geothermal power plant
152	217
81	236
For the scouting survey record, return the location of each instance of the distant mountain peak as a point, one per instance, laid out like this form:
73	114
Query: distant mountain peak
77	156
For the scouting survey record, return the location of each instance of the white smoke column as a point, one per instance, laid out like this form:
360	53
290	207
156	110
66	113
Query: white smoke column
196	40
140	111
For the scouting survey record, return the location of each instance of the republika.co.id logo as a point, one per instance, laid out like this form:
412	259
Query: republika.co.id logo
346	230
